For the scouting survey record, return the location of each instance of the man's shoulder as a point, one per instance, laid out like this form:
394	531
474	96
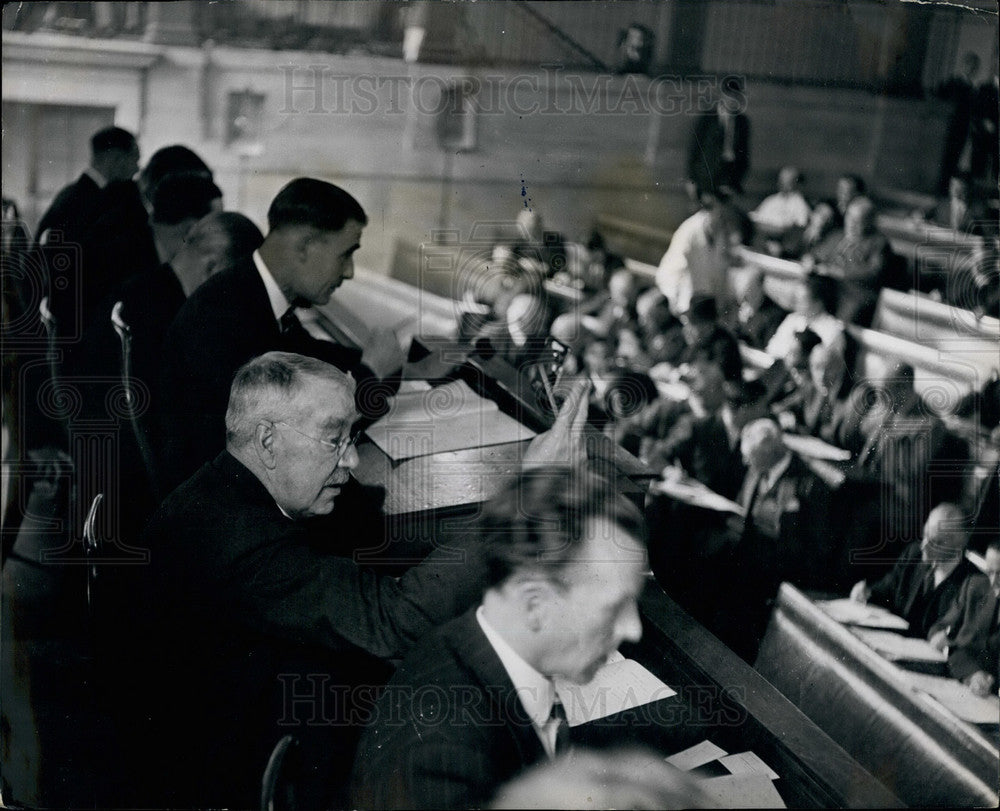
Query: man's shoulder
219	491
228	303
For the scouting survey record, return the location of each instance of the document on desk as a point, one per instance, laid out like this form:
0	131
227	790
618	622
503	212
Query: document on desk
851	612
621	684
693	492
742	791
958	698
898	648
451	417
697	755
815	448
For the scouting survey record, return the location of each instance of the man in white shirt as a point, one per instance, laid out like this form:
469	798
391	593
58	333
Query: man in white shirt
785	209
699	257
474	703
815	301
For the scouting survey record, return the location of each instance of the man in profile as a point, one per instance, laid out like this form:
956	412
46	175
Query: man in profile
252	590
474	703
923	583
266	304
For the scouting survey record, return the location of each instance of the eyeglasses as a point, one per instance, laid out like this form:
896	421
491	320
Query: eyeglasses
340	447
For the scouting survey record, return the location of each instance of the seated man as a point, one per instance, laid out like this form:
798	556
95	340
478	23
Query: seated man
829	395
970	632
784	536
707	339
252	589
262	305
815	302
474	703
960	211
902	446
861	261
758	317
786	208
925	580
699	435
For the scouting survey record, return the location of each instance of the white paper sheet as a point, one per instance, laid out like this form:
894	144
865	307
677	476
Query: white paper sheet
742	791
900	648
450	417
958	698
697	755
851	612
617	686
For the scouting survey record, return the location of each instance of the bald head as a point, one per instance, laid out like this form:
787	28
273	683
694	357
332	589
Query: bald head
945	534
827	366
761	445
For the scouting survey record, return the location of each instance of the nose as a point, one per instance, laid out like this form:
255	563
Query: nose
629	624
348	268
349	460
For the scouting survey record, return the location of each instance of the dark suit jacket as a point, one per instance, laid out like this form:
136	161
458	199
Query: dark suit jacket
252	625
701	445
901	590
973	633
762	324
704	162
719	347
787	534
823	416
449	729
227	321
74	209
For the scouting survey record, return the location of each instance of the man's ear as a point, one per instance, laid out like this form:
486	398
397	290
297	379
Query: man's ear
535	596
263	445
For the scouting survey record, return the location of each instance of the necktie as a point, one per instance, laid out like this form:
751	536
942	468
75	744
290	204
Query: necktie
557	717
289	323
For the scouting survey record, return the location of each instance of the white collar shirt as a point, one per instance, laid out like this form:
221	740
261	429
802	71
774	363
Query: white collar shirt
535	691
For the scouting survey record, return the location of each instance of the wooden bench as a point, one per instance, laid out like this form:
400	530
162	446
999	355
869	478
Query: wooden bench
645	243
918	749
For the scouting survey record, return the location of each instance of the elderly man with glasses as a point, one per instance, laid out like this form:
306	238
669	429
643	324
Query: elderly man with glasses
253	618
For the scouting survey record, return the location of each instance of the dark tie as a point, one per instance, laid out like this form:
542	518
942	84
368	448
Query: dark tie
558	715
289	323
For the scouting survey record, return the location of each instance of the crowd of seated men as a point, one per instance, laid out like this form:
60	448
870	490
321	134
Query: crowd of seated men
235	472
672	384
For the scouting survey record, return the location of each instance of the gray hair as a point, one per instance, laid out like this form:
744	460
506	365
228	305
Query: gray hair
758	431
267	387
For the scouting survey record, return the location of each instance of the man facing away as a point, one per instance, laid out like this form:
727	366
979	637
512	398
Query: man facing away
114	156
474	703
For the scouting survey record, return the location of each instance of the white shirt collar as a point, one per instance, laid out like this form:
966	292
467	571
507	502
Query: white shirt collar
96	176
944	570
535	691
279	304
768	480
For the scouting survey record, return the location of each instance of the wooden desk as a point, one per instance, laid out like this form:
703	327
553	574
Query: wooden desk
919	750
721	698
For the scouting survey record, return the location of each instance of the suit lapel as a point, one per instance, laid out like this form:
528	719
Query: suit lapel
473	649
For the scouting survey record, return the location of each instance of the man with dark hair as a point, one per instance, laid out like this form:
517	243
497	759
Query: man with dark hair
815	302
114	156
707	339
718	156
266	304
474	703
849	186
